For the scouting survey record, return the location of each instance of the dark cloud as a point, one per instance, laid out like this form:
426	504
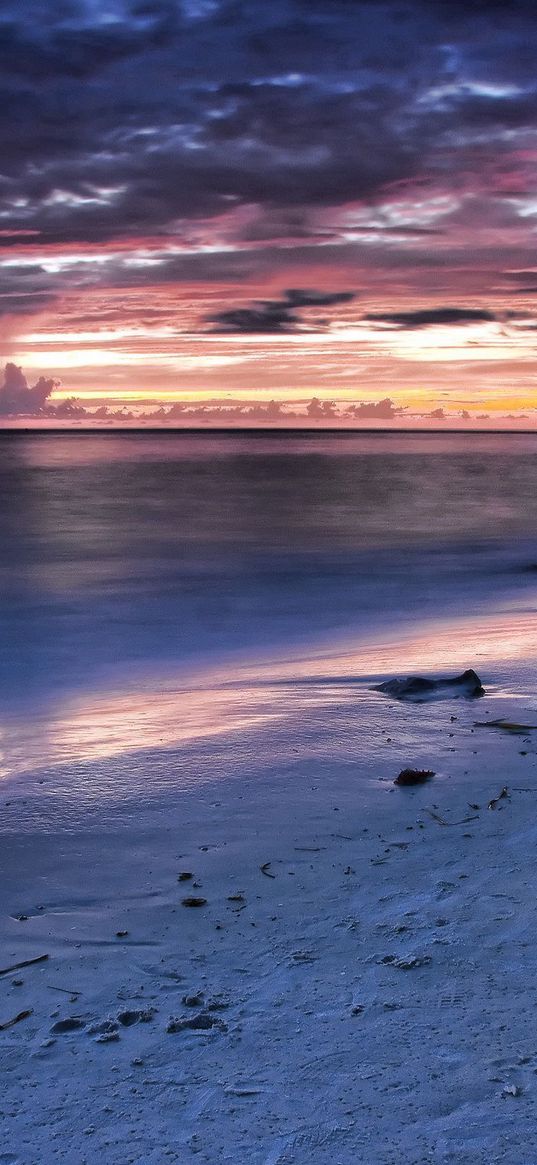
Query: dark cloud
381	143
128	117
430	316
275	315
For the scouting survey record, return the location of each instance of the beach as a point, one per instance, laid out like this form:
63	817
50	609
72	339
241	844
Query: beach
368	950
357	982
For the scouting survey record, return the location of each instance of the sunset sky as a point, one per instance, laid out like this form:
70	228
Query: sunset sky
226	201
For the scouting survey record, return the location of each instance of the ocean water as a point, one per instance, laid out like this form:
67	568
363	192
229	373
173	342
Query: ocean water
136	567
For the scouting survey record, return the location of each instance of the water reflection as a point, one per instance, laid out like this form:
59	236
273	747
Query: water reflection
249	697
139	571
120	551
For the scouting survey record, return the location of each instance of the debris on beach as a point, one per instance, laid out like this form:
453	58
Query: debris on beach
506	725
511	1090
442	821
193	901
184	876
414	776
24	963
65	991
418	689
266	870
501	796
16	1019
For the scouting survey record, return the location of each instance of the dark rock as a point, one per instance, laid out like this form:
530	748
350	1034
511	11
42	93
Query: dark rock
413	776
418	689
194	901
184	876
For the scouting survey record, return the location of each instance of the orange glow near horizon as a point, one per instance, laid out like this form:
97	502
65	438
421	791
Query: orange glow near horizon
141	346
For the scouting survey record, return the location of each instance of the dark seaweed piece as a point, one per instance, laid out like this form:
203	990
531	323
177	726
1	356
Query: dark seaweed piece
413	776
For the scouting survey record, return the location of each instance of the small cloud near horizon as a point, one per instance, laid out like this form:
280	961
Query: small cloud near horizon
20	400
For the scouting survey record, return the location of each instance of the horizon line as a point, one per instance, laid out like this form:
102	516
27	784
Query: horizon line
339	430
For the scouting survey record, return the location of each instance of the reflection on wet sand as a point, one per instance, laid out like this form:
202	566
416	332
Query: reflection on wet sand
238	699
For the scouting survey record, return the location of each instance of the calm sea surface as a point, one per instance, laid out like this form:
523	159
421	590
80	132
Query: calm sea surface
129	556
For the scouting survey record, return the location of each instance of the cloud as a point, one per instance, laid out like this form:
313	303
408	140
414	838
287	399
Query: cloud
195	145
286	105
431	316
382	410
213	413
275	315
17	397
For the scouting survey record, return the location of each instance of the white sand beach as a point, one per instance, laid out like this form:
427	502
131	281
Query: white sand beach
361	980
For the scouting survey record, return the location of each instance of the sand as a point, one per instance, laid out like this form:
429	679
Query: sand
366	956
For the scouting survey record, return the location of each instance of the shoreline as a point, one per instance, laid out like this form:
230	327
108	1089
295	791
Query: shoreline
241	712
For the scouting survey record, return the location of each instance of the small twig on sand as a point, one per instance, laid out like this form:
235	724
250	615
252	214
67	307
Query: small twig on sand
25	963
503	793
442	821
506	725
265	870
16	1019
63	990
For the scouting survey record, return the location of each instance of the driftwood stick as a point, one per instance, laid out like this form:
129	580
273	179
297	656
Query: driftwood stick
16	1019
64	990
442	821
25	963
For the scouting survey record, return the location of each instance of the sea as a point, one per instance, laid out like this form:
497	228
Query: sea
207	591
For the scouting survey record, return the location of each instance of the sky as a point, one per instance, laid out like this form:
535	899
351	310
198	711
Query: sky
216	203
